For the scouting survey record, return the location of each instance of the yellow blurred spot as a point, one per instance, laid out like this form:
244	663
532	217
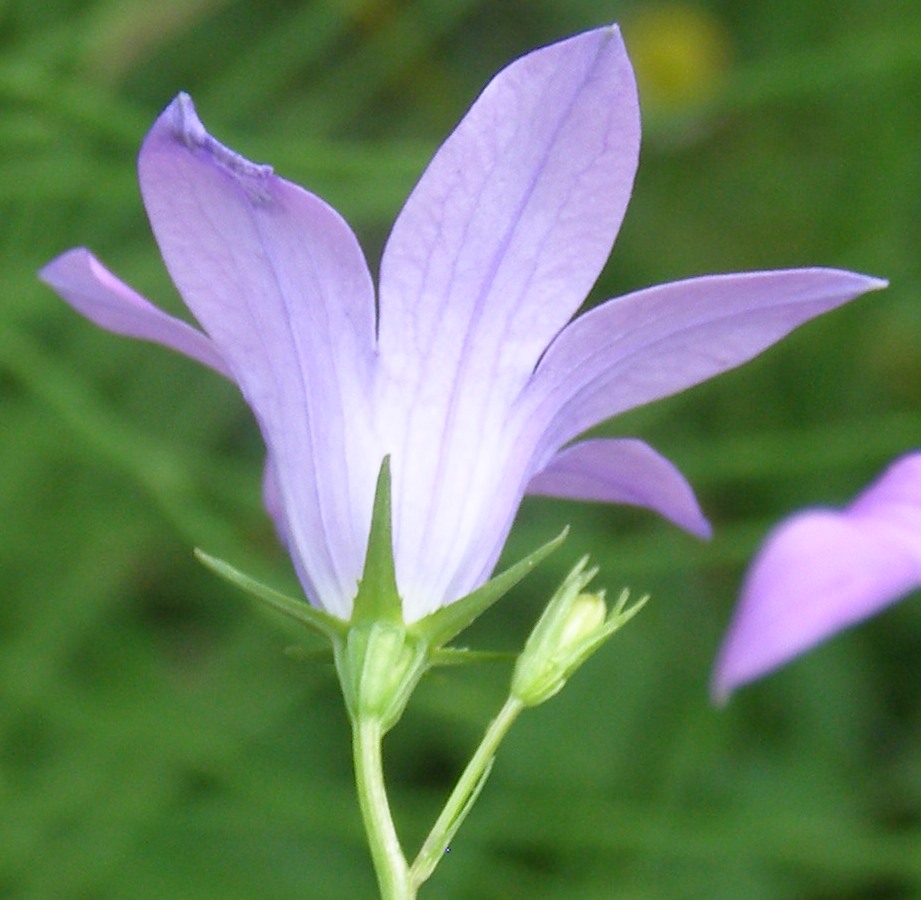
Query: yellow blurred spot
681	54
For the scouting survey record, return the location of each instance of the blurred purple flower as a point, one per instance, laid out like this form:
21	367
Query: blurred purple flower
469	375
823	570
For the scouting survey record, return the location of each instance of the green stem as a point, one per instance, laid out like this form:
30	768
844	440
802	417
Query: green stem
464	794
389	863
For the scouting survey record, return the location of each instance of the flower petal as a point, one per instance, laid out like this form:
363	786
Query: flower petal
516	214
622	471
92	290
823	570
273	501
494	250
278	281
661	340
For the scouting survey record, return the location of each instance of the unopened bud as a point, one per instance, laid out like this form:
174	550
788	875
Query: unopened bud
574	624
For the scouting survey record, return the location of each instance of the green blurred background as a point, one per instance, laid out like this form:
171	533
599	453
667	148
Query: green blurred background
155	740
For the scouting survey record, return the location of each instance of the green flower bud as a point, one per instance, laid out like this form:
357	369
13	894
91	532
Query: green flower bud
574	624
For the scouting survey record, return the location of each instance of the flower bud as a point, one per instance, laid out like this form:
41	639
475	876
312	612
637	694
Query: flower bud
574	624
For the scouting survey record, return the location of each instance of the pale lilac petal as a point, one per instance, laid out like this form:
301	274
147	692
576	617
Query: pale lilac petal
823	570
622	471
656	342
273	501
494	250
92	290
516	214
276	278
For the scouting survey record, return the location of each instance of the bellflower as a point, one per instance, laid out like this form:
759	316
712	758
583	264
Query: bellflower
823	570
465	369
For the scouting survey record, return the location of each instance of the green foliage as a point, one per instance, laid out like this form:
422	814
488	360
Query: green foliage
155	741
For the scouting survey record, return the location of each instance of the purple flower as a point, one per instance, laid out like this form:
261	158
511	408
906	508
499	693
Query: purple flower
823	570
468	375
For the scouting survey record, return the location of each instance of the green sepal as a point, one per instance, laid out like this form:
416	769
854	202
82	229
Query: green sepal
311	654
443	625
378	599
303	613
461	656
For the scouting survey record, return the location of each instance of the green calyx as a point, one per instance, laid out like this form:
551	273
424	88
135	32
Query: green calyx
379	657
379	666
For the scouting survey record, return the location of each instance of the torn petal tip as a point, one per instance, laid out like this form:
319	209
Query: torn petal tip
186	127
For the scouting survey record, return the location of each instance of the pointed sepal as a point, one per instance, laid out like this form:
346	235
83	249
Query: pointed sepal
443	625
463	656
378	599
304	614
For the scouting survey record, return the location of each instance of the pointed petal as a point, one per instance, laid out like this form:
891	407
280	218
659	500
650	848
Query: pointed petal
494	250
822	571
622	471
92	290
659	341
516	214
278	281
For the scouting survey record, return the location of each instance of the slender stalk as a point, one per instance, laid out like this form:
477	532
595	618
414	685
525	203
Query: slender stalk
389	862
464	794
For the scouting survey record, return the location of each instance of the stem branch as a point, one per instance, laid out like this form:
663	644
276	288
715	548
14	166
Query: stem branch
464	794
